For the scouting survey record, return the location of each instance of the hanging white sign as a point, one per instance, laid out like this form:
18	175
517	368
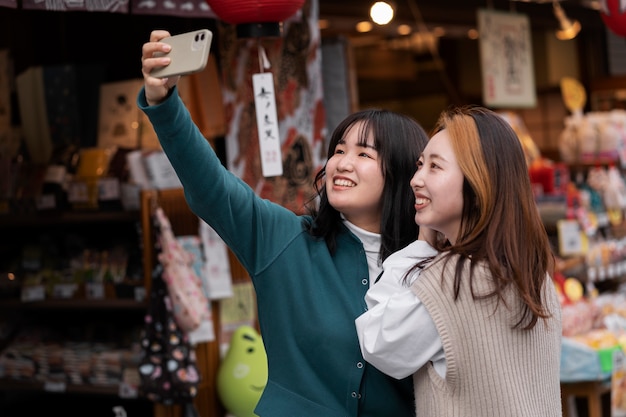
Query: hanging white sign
267	124
506	59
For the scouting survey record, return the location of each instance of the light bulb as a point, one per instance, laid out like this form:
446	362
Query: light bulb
381	13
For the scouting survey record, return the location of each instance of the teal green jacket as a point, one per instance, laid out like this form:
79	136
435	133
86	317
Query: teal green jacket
307	298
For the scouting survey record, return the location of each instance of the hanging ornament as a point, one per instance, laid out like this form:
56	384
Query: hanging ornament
613	13
255	18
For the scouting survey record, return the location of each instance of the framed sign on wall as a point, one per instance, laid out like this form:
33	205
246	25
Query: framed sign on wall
506	59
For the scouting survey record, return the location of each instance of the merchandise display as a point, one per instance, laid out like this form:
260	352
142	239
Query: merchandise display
582	198
593	330
594	137
38	354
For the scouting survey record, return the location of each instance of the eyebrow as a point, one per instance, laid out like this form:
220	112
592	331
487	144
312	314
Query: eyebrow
359	143
434	156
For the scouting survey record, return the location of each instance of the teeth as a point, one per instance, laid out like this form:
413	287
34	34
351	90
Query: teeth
344	183
421	200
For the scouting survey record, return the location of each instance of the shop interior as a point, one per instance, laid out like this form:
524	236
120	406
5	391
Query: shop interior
427	58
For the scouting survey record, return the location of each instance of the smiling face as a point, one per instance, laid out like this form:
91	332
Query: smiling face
242	375
354	180
438	187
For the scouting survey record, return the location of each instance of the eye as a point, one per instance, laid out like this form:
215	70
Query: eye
338	151
419	164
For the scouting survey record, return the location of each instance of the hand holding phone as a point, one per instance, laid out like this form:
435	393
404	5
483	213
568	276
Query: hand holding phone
189	53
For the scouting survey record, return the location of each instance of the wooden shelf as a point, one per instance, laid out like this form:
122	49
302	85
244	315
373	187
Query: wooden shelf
75	304
38	386
66	218
564	264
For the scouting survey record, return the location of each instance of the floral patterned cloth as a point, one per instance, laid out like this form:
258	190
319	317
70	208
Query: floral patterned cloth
168	371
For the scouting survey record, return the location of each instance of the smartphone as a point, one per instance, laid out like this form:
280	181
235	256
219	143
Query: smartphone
189	53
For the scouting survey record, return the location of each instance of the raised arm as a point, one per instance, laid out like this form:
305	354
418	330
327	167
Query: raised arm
216	195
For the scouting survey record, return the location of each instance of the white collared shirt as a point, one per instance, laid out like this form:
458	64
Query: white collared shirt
371	245
397	334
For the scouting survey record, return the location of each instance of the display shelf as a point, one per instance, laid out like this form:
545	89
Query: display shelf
592	391
56	239
572	262
31	399
56	387
52	218
75	304
595	162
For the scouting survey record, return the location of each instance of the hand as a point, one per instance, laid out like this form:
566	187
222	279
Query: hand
427	234
156	88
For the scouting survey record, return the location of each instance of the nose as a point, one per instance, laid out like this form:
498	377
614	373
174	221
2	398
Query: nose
416	180
345	163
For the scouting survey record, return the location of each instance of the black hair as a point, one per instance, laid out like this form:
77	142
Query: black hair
399	141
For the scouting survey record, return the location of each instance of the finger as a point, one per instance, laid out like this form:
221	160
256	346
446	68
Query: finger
157	35
148	59
150	48
172	81
148	64
156	82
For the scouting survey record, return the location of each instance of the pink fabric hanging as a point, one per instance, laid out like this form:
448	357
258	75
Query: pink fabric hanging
189	303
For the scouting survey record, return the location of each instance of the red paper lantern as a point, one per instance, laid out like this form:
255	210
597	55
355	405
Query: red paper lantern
613	13
255	18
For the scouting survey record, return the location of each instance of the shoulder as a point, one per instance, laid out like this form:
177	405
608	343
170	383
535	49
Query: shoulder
439	275
410	254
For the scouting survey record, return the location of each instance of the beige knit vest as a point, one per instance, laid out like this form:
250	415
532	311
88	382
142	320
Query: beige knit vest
492	369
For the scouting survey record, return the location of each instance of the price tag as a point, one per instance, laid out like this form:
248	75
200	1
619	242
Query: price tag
55	174
203	333
611	270
54	386
618	384
33	293
94	290
267	124
46	202
64	290
140	293
570	239
78	192
126	390
603	219
108	189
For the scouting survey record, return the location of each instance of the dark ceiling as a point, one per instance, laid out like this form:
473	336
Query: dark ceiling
459	12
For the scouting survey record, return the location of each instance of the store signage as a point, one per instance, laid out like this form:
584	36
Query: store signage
267	124
506	59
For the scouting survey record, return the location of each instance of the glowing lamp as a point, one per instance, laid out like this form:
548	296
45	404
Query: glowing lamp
255	18
613	13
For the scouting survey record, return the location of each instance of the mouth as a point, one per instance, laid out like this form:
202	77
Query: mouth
421	202
257	388
342	182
